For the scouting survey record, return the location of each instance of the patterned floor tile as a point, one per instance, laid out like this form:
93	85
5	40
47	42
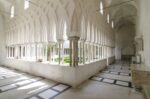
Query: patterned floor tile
7	87
48	94
96	78
61	87
108	81
122	83
33	98
124	74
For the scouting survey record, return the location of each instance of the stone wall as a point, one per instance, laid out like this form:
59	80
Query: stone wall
64	74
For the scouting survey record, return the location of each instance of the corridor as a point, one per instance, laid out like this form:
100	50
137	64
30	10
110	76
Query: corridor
114	82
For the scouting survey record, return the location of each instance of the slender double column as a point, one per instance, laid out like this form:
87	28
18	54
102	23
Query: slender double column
61	51
84	58
82	52
74	51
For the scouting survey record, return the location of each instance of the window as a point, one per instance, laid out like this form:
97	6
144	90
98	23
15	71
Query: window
112	24
26	4
108	18
101	8
12	11
65	32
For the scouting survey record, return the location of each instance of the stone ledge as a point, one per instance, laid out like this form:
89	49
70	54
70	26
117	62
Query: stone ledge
72	76
140	74
146	92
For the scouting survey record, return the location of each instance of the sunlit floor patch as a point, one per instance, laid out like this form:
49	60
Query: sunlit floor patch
51	92
9	87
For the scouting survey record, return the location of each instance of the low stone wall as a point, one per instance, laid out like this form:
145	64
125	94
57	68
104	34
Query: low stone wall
64	74
111	59
146	91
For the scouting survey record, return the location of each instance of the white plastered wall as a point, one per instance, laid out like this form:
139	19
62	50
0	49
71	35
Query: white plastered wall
2	39
143	27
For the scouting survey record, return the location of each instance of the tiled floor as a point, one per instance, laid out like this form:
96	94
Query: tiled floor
111	83
117	74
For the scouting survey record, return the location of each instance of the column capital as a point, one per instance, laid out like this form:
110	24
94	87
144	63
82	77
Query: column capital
73	34
60	40
82	40
74	38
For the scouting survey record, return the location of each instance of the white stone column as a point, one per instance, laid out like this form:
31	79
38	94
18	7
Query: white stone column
52	53
18	52
86	52
102	52
80	51
30	49
26	51
74	51
61	51
7	51
89	53
36	52
93	52
98	52
46	52
21	52
83	52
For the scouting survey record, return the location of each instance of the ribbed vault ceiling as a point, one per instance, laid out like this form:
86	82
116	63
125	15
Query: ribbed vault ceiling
5	6
123	13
